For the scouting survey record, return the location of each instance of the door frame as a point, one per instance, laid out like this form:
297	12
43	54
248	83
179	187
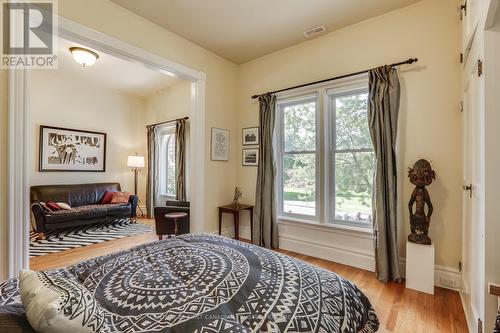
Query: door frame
18	201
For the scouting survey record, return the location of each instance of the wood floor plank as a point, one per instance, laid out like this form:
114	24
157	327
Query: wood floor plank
399	309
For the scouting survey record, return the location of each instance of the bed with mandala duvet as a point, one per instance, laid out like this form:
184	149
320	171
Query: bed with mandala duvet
189	283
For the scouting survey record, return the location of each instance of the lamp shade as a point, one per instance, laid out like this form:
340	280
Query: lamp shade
135	161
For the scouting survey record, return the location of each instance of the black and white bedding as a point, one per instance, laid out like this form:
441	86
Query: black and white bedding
207	283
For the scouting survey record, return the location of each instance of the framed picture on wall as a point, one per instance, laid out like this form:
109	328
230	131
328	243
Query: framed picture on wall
250	157
250	136
220	145
64	149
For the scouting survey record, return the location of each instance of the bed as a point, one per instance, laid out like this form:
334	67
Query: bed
204	283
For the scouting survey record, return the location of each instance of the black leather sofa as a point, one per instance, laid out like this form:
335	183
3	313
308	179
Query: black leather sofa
85	201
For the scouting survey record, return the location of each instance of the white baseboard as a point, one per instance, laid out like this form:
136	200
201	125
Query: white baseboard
332	252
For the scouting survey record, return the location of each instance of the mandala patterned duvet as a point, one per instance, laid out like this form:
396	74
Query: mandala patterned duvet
206	283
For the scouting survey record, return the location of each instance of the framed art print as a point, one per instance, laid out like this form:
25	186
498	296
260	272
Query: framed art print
250	136
250	157
64	149
220	145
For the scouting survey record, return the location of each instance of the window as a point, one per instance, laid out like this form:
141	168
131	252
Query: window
325	156
298	157
167	167
353	159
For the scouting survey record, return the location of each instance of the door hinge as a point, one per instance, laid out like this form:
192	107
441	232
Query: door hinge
461	106
479	326
469	189
461	58
459	266
480	68
463	10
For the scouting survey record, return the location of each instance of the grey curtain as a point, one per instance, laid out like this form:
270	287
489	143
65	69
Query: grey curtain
152	182
180	156
383	109
265	227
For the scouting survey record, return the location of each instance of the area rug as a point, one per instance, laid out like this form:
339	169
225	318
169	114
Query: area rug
65	239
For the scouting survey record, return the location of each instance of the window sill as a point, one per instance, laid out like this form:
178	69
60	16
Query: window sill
334	228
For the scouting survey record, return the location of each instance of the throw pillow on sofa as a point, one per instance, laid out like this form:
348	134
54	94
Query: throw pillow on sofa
64	206
55	304
44	206
52	205
108	196
120	197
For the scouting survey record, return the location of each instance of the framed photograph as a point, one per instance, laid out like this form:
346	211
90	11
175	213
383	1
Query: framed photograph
250	136
220	145
64	149
250	157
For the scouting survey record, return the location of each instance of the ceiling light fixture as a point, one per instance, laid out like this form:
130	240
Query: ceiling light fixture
83	56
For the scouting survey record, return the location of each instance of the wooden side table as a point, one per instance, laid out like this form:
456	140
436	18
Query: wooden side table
235	211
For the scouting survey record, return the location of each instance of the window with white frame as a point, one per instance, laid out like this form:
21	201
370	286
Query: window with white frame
167	165
325	156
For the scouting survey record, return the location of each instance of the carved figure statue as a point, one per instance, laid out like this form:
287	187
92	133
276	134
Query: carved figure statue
421	175
237	196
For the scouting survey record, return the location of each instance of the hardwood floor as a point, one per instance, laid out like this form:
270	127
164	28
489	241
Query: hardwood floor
399	309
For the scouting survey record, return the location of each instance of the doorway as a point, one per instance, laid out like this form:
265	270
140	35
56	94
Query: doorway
19	112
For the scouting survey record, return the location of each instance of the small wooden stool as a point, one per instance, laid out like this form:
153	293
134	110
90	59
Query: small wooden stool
175	216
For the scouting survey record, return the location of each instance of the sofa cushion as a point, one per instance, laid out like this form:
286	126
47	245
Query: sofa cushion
87	212
118	209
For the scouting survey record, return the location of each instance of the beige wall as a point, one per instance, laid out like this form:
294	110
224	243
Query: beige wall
430	121
74	103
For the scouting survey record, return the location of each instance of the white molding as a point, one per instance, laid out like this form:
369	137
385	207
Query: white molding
18	218
332	252
468	311
323	227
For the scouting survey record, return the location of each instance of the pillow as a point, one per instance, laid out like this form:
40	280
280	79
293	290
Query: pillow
63	206
55	304
108	196
120	197
44	206
52	205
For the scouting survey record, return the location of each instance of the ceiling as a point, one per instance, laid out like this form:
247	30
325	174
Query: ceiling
242	30
114	73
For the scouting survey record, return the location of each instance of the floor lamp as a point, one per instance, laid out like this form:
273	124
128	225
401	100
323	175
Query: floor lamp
136	162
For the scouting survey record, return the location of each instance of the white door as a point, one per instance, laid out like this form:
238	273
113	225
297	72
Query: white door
470	19
473	196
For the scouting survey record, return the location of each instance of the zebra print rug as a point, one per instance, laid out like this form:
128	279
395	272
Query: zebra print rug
65	239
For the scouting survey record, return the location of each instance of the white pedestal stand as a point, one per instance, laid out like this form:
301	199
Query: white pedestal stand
420	267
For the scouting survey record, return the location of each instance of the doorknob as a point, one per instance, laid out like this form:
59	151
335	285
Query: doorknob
468	188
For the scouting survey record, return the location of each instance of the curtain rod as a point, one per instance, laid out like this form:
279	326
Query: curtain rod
409	61
168	121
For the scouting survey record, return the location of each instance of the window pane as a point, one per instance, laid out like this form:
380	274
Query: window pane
352	122
353	186
299	122
171	188
299	184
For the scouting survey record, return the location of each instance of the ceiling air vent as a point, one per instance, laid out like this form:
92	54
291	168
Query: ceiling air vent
314	31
